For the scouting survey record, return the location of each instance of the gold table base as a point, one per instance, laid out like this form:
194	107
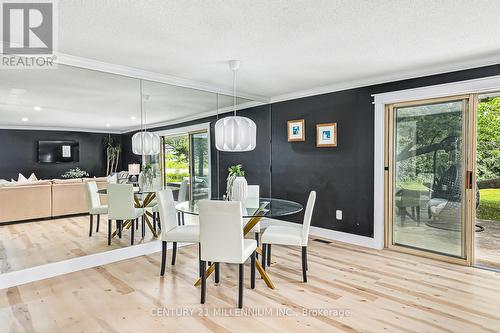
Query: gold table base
138	204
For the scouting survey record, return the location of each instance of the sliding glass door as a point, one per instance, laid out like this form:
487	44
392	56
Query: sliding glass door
186	159
200	167
427	165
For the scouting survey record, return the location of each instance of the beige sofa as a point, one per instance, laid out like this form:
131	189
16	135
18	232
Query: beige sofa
43	199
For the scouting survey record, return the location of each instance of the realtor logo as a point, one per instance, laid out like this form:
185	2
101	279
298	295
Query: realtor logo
28	34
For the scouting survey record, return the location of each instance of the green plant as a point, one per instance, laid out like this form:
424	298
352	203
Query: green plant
75	173
236	170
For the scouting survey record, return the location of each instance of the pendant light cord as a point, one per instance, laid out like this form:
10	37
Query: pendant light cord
143	129
234	91
140	84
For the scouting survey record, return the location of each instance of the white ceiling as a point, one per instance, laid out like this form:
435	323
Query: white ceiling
287	48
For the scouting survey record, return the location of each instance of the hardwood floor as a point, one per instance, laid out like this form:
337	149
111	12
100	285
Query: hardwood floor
380	290
39	242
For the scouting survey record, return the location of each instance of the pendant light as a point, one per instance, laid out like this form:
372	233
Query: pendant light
234	133
143	142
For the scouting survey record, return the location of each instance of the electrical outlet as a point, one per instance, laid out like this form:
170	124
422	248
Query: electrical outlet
338	214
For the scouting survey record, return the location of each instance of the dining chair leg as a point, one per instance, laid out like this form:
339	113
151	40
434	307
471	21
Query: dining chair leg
91	225
109	232
163	257
174	253
143	228
136	224
217	272
98	222
264	250
269	255
304	263
252	270
307	266
119	228
257	238
203	281
199	260
132	235
154	222
240	286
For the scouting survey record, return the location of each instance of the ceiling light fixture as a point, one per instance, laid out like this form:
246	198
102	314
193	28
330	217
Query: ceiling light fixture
133	118
234	133
108	125
143	142
37	108
25	119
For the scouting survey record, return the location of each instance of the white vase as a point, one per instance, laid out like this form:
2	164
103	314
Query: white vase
239	189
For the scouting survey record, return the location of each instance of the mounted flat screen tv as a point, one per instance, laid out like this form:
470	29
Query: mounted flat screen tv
58	151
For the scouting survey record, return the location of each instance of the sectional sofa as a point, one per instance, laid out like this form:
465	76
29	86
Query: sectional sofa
45	198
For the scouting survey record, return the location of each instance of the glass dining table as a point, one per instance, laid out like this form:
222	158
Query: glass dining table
253	209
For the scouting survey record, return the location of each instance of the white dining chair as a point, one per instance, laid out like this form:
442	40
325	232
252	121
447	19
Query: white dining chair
121	207
221	240
290	235
253	195
94	205
183	191
170	230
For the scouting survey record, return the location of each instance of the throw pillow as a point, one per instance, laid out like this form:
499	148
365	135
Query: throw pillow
21	179
32	178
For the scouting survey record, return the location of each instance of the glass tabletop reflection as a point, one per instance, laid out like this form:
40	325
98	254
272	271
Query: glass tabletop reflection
268	207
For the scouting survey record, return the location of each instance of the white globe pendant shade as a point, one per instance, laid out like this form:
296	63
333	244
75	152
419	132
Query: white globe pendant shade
145	143
235	134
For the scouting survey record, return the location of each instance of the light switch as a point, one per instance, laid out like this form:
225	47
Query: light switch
339	214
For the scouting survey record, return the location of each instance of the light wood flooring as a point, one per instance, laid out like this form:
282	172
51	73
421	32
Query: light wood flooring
382	291
39	242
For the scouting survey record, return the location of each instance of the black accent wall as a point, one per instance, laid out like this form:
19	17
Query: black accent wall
342	176
18	153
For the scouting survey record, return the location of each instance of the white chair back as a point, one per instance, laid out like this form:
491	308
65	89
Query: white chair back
306	224
183	191
252	196
120	201
93	199
253	191
221	230
166	208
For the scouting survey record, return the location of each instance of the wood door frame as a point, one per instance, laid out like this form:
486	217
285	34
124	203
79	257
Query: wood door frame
468	195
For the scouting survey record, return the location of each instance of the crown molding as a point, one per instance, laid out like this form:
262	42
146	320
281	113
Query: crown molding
197	116
61	129
397	76
70	60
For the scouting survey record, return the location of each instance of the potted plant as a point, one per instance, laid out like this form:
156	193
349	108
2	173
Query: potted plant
113	150
147	175
75	173
237	185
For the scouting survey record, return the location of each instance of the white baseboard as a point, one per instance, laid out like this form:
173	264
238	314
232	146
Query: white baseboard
12	279
330	234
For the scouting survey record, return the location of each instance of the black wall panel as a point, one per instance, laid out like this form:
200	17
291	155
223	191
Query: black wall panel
18	153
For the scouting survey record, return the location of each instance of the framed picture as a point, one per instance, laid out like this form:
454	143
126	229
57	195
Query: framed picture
296	130
326	135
